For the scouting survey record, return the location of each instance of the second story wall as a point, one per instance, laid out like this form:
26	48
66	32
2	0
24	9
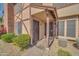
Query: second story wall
68	11
48	4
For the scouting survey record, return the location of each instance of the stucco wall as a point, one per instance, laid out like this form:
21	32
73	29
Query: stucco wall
25	4
48	4
5	18
27	25
41	30
25	14
67	11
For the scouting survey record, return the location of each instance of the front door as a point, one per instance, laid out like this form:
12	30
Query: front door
35	31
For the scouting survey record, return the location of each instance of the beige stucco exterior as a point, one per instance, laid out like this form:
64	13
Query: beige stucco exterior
41	30
27	24
48	4
68	11
5	16
41	17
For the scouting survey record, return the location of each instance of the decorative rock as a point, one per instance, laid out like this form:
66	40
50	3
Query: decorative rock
62	42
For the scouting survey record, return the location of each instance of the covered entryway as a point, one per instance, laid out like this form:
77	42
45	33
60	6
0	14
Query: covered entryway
47	18
44	14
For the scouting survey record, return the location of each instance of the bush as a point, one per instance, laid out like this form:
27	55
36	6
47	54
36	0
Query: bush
22	41
7	37
63	53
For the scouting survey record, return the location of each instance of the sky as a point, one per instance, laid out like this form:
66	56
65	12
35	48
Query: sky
1	9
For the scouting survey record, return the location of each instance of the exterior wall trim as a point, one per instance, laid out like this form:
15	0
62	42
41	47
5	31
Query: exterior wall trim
67	6
69	16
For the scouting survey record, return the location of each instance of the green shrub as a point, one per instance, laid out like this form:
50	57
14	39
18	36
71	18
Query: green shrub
7	37
22	41
63	53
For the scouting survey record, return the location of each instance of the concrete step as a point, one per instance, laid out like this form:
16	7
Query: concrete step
42	44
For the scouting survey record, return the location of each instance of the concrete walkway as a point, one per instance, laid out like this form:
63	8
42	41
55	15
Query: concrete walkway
8	49
40	49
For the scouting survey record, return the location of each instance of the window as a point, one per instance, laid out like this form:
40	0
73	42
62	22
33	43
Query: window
17	8
61	28
71	28
18	27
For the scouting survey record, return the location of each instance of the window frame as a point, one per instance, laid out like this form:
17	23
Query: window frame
67	27
64	27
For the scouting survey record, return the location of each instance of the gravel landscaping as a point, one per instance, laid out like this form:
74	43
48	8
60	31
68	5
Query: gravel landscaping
8	49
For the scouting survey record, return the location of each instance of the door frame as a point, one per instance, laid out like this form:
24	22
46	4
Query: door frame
33	32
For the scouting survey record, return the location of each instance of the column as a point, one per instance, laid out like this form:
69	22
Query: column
31	27
47	32
77	28
65	28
